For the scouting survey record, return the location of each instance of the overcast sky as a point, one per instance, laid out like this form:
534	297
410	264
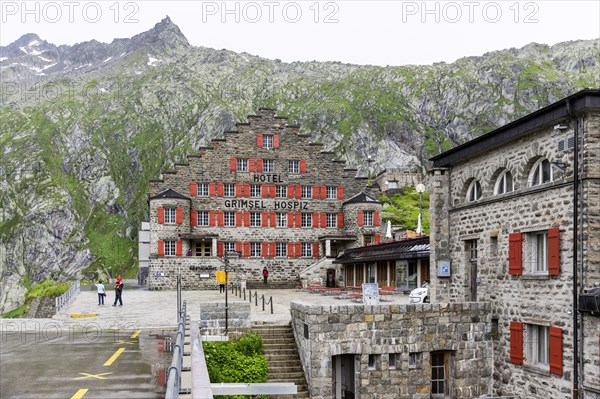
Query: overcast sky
353	31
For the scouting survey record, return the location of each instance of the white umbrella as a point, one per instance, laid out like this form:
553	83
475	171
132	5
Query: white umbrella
419	225
388	230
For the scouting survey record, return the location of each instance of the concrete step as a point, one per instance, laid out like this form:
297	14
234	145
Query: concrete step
276	370
279	346
279	285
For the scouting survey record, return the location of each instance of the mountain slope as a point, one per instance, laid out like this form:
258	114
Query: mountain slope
85	127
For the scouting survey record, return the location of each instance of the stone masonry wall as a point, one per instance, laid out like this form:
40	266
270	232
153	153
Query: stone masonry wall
212	316
461	328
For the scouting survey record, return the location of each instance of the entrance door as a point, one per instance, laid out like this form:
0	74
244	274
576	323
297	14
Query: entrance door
330	282
344	377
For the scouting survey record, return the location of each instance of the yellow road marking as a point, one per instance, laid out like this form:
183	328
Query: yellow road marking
125	342
79	394
88	375
135	334
114	357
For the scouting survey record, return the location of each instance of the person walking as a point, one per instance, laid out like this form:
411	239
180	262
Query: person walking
118	292
101	292
265	274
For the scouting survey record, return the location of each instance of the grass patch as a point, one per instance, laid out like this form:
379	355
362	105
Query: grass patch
16	313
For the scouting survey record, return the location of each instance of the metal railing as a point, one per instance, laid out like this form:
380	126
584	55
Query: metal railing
63	300
241	292
174	372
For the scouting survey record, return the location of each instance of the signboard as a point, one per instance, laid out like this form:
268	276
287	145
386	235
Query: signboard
221	277
443	268
370	293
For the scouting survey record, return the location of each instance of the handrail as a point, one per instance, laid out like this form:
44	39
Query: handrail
201	387
63	300
174	373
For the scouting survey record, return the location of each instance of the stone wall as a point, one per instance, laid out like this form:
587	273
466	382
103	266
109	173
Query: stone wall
212	316
41	308
462	329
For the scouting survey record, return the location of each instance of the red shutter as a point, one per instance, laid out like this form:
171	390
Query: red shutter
193	189
259	140
220	218
361	219
291	190
290	251
259	165
264	218
265	249
212	189
323	219
298	219
161	248
220	248
239	190
273	190
245	216
556	350
377	238
316	219
298	191
178	248
302	166
161	215
247	190
247	249
340	220
516	342
251	164
238	246
232	164
276	141
298	249
273	250
273	219
323	192
315	192
212	218
194	218
290	219
340	192
220	189
515	254
179	215
376	218
315	250
554	252
265	190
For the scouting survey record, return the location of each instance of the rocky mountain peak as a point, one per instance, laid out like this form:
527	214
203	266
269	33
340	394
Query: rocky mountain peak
164	33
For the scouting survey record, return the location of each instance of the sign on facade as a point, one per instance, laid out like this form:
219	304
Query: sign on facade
370	293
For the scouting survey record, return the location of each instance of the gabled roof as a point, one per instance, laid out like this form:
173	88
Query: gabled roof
169	194
395	250
361	198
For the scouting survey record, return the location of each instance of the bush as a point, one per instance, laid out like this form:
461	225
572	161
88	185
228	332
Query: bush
46	289
16	313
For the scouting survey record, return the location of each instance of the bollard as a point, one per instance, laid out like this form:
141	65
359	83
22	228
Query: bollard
263	300
255	298
271	300
244	294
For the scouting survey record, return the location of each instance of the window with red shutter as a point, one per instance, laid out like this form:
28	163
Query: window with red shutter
323	192
298	191
340	192
212	189
259	140
220	189
290	250
298	216
193	189
264	218
273	219
340	220
220	249
315	249
194	218
315	191
178	248
273	190
239	190
212	218
554	252
265	249
245	216
247	190
179	215
298	251
316	220
291	190
247	249
275	141
273	250
376	221
323	220
516	342
556	351
238	247
161	215
251	164
515	254
377	238
161	248
220	218
259	165
290	219
232	164
302	166
265	190
361	219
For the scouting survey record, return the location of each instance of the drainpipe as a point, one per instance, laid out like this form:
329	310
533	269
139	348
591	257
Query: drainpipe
575	252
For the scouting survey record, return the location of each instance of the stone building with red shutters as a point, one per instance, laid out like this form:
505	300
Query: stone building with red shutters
266	194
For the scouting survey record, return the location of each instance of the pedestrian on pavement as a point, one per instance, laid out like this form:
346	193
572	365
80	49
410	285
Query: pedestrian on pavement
118	292
119	279
101	292
265	274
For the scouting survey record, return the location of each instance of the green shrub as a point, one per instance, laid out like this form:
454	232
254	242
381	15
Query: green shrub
249	345
16	313
46	289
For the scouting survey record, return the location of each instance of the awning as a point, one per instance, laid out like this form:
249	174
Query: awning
396	250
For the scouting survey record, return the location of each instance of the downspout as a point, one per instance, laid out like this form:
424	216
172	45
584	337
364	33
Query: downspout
575	252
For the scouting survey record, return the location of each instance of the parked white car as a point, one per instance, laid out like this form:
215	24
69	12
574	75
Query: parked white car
420	295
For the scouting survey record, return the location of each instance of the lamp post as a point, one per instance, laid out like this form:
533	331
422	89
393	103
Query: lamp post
226	257
420	189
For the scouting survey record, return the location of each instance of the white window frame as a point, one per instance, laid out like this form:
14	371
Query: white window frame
536	176
504	183
306	191
170	248
170	215
306	250
332	220
228	246
294	166
268	165
229	219
537	252
242	165
255	249
268	141
203	218
537	345
255	219
281	249
203	189
228	190
255	191
331	192
280	191
307	220
281	219
474	191
368	218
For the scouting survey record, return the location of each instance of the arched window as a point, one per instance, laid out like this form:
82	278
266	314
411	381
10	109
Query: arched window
540	173
504	183
474	191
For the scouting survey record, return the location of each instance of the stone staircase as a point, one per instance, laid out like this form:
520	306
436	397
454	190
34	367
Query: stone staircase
272	285
284	362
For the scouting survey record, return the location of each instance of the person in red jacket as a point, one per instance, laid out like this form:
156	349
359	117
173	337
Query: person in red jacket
265	274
